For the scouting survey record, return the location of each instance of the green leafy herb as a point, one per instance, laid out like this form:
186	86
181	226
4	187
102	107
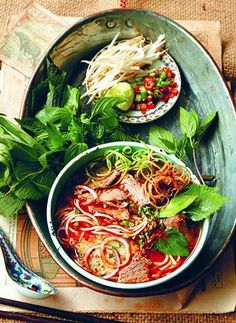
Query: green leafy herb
188	122
10	204
177	204
31	156
208	201
5	165
74	150
193	131
198	202
173	243
146	210
204	125
71	99
163	139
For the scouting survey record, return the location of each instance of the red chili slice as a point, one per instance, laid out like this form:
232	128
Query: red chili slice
174	91
151	105
136	89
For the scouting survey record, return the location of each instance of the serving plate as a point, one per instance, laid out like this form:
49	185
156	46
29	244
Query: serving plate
203	89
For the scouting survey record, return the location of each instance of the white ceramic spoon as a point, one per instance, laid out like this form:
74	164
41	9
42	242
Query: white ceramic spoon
27	282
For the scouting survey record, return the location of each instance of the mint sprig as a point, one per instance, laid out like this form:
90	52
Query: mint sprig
193	130
198	202
173	243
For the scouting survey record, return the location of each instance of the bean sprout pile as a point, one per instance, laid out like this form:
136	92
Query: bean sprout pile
119	62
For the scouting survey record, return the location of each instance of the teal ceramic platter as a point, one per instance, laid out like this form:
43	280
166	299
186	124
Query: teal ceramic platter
203	89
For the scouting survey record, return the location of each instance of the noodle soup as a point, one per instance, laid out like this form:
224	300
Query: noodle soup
109	217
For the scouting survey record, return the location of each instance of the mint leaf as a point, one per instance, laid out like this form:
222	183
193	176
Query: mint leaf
173	243
31	124
205	124
71	99
51	114
177	204
103	104
103	113
75	132
208	201
56	86
48	92
10	204
163	138
194	115
188	123
44	181
23	169
5	165
97	131
109	119
74	150
55	140
26	190
16	133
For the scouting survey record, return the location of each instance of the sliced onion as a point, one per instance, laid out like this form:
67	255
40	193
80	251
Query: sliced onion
102	228
103	256
136	230
173	261
116	226
88	253
122	241
168	264
108	276
161	263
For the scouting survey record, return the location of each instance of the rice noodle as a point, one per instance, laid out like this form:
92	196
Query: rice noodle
76	202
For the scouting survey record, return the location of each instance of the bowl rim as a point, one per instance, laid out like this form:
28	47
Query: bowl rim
60	177
219	253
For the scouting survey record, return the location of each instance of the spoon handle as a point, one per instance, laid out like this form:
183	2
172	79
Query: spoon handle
7	250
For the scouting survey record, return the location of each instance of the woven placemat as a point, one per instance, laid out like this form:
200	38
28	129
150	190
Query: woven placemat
221	10
158	318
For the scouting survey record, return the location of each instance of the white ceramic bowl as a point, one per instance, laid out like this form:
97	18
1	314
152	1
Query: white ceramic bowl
60	181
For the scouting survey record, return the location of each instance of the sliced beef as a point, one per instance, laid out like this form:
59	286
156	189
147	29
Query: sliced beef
84	197
135	190
180	223
136	271
117	213
111	194
109	180
177	221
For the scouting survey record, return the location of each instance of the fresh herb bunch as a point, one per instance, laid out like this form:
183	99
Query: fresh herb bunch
193	130
31	156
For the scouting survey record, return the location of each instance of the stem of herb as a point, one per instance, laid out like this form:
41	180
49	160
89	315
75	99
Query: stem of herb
196	167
